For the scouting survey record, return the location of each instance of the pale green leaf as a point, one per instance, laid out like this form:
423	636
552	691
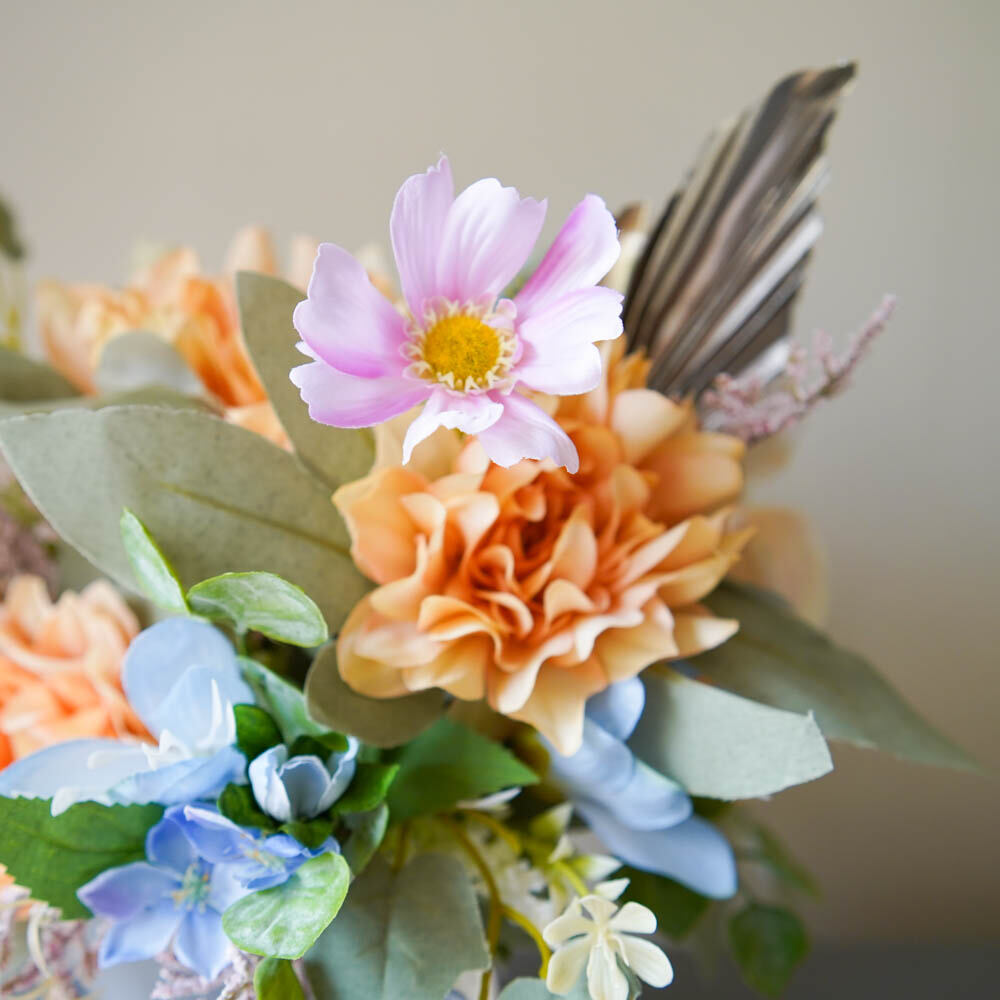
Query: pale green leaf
720	745
383	722
152	395
155	576
53	856
367	832
408	934
780	660
535	989
216	498
263	602
137	359
266	304
24	380
275	979
285	921
284	702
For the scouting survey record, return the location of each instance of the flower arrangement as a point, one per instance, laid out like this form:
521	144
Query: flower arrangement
449	656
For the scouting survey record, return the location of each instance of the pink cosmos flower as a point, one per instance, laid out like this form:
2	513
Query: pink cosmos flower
454	344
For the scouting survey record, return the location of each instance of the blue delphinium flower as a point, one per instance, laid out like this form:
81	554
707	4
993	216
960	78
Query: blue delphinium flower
642	816
300	787
174	900
182	678
256	860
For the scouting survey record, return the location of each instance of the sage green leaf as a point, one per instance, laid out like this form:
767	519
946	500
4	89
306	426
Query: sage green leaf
535	989
263	602
137	359
284	702
677	907
383	722
284	922
448	763
153	395
367	831
331	454
720	745
768	942
275	979
368	789
778	659
256	731
216	497
408	934
24	380
155	576
766	849
53	856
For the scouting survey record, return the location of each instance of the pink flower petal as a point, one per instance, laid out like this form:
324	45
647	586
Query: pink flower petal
559	353
488	235
342	400
470	414
416	226
582	253
525	431
346	321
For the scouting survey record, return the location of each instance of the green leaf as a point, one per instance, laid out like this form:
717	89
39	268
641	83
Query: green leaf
216	497
383	722
768	942
778	659
138	359
256	731
677	907
285	921
321	747
720	745
367	833
238	804
275	979
369	788
450	762
10	240
23	380
53	856
311	833
769	851
408	934
264	603
155	576
285	703
333	455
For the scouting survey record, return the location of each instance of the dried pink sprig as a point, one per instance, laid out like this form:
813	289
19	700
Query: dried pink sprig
752	409
234	983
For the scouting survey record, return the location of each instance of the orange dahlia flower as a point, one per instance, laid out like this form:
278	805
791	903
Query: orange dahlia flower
533	588
173	299
60	666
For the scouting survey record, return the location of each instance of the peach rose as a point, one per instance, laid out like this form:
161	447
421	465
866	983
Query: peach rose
535	589
196	314
60	666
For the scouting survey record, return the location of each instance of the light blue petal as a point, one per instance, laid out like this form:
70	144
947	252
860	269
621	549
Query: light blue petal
143	936
186	781
649	801
306	781
121	893
215	838
167	847
159	657
693	852
268	789
224	888
202	944
602	766
618	707
342	770
67	767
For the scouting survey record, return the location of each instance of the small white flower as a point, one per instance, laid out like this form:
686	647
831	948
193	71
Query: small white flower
595	932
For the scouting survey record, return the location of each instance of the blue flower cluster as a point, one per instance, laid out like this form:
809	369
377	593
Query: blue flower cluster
183	679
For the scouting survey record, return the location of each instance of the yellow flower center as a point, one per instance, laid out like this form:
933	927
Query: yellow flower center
458	348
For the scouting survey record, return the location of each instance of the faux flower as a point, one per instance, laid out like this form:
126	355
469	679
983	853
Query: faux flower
255	861
595	933
643	817
173	900
459	346
182	679
533	588
172	298
300	787
60	667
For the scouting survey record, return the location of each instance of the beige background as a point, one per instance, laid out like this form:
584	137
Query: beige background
179	122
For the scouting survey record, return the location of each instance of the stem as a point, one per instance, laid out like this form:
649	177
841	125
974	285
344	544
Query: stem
533	932
579	886
493	924
401	845
504	833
